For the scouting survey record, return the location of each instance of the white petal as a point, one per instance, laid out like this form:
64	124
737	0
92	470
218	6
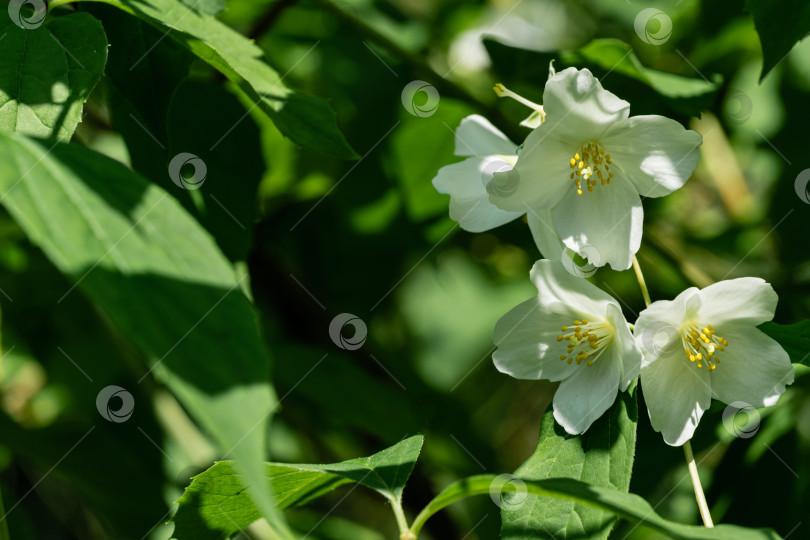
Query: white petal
540	177
677	394
588	393
578	108
603	226
656	154
659	328
476	136
627	350
556	287
746	300
469	201
545	237
753	368
526	338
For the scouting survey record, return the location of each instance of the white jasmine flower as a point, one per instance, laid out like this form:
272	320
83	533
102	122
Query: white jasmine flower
487	151
705	344
572	332
589	161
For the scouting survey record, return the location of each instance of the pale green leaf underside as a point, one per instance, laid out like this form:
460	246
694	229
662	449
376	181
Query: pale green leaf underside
307	120
631	507
216	504
47	73
602	456
158	277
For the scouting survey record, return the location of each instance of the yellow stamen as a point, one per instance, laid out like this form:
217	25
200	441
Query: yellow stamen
703	346
590	160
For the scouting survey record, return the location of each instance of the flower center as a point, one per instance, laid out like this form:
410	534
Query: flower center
701	346
585	341
590	161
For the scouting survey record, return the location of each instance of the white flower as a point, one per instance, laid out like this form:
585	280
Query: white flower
589	161
488	151
572	332
705	344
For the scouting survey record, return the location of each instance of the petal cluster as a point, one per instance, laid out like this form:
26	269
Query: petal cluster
705	344
571	332
590	163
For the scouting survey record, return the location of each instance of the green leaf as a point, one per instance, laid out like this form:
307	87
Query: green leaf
602	456
160	279
47	73
794	338
208	7
229	144
778	34
625	505
307	120
139	87
216	504
616	55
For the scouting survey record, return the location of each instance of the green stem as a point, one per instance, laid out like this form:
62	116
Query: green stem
699	495
402	521
641	283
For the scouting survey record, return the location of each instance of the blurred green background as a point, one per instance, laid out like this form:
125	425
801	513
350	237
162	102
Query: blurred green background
321	236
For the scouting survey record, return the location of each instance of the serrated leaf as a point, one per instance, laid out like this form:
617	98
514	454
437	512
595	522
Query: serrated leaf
307	120
607	500
602	456
216	504
794	338
777	34
159	277
47	73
